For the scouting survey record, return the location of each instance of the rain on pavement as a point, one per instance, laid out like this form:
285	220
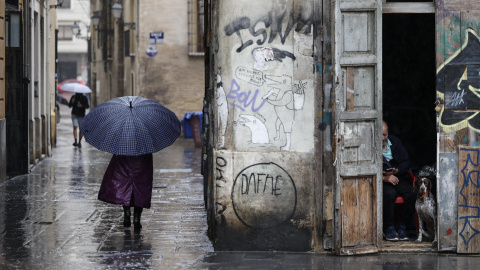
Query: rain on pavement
51	219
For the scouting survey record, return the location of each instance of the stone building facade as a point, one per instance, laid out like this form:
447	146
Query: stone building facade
28	97
296	92
130	58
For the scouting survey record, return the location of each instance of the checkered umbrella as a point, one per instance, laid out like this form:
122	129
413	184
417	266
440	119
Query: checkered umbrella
130	126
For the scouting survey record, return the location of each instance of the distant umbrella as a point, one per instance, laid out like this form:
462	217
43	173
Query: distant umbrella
69	81
75	87
130	126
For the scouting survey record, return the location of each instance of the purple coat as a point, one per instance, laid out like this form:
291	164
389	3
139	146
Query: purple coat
128	181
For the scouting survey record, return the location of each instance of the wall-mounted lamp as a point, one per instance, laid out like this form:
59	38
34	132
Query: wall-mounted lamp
130	25
77	32
95	19
117	10
96	22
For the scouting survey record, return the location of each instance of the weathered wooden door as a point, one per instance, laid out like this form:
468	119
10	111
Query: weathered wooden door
358	83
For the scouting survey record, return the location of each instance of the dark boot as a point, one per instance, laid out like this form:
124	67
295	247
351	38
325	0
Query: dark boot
137	214
126	216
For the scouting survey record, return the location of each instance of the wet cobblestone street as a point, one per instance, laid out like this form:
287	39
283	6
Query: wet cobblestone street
51	219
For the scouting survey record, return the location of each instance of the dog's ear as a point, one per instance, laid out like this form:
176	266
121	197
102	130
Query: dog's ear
417	183
429	185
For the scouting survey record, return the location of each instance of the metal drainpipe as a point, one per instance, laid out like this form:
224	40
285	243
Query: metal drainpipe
26	26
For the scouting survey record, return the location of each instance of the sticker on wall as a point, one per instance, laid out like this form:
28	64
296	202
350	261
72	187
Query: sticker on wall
264	196
151	50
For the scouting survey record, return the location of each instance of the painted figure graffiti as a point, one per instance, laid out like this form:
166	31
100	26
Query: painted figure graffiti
222	106
458	83
257	128
262	55
282	97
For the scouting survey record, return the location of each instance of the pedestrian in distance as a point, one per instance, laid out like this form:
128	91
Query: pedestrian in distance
396	182
128	181
78	103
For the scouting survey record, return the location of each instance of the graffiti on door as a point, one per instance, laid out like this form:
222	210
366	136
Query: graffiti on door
469	200
458	83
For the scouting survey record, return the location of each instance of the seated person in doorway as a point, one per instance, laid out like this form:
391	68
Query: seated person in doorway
396	182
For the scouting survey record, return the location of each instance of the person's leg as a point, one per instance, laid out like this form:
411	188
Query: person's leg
137	214
126	216
389	197
80	135
75	126
409	195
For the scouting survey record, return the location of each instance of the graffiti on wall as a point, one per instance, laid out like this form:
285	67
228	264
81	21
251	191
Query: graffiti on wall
222	112
264	196
262	55
285	100
220	181
246	99
270	25
458	83
468	198
258	130
265	97
283	94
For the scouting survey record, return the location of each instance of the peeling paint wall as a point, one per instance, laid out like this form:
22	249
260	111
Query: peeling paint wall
264	124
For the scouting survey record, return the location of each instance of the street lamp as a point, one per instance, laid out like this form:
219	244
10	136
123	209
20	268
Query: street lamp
77	32
117	10
95	19
117	13
75	29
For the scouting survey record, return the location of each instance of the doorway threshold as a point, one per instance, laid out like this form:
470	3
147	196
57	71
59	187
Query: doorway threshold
408	247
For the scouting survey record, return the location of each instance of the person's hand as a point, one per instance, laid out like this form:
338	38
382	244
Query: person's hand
392	172
79	105
392	179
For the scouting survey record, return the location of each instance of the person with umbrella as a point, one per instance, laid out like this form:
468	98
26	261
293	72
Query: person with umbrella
131	128
78	103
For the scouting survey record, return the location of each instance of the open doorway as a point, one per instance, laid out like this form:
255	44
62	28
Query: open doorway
409	85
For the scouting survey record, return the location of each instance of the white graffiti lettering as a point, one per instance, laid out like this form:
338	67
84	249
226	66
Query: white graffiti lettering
457	99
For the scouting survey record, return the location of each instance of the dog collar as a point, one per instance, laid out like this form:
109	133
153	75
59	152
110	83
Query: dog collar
423	195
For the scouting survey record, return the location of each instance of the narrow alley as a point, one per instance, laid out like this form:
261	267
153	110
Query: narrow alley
51	219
